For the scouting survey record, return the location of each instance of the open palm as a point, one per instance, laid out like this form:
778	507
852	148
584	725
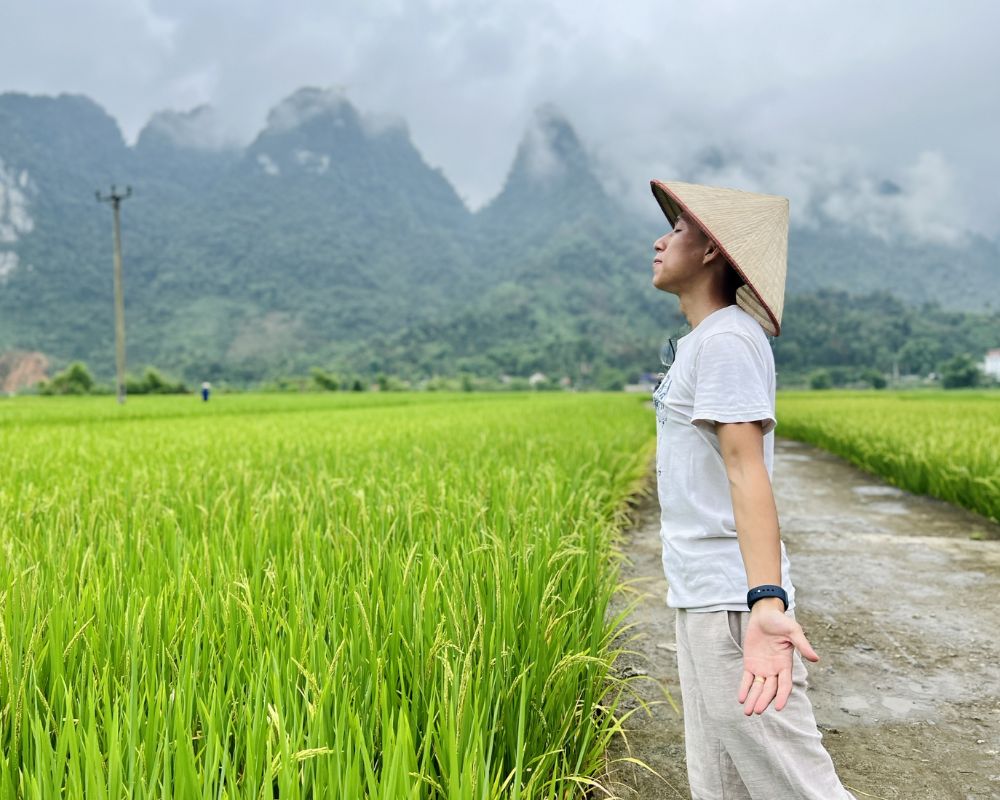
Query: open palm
768	645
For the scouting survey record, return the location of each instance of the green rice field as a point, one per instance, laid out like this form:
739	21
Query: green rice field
944	443
353	595
344	596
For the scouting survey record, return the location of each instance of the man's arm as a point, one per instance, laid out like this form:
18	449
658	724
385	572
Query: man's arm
754	510
771	636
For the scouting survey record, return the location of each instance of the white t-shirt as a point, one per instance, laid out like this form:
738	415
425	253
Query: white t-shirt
723	371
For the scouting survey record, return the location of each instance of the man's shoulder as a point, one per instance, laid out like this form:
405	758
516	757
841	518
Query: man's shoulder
738	323
742	320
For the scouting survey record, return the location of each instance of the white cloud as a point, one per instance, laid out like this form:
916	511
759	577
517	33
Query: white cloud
537	146
303	106
267	164
920	200
926	206
200	129
837	95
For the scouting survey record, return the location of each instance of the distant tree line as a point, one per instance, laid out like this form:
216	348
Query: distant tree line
830	339
77	379
961	371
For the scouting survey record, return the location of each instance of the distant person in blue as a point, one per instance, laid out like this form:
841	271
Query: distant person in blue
206	389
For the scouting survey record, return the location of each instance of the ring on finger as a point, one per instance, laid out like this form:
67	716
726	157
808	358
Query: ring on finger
759	679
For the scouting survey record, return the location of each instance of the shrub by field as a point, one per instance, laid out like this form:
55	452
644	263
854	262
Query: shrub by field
385	596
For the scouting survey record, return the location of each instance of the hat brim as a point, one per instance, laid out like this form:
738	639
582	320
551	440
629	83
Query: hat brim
672	206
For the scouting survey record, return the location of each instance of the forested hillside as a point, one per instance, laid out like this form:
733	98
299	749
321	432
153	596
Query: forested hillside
328	241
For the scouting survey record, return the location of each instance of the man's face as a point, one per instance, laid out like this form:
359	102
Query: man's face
680	254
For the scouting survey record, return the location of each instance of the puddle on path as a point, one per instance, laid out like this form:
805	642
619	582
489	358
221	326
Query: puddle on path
878	490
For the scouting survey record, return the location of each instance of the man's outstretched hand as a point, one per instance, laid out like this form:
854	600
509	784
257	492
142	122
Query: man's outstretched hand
768	644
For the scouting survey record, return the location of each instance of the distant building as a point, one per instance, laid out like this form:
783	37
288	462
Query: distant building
991	364
537	378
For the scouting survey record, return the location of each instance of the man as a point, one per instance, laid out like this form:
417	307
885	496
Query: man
749	727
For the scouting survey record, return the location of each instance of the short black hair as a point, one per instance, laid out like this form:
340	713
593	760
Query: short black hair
732	280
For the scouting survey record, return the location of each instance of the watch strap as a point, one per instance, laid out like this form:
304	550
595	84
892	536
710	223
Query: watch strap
766	590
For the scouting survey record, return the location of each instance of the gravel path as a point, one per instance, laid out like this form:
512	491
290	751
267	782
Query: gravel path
897	593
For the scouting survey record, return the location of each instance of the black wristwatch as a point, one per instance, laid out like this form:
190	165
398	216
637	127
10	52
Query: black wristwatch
766	590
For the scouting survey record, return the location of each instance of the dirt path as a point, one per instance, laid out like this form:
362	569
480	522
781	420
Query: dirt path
902	606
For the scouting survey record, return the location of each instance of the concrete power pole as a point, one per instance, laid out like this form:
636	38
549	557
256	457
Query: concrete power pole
115	198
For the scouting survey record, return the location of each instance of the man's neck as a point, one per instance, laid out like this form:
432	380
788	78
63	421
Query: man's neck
695	309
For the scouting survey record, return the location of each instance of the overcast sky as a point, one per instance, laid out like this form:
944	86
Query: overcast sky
819	101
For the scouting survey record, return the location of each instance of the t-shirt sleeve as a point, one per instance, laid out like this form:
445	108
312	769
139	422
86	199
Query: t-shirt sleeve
733	382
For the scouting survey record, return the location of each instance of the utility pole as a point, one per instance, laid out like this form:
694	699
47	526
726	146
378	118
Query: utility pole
115	198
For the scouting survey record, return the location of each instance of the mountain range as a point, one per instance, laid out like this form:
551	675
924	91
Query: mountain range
328	240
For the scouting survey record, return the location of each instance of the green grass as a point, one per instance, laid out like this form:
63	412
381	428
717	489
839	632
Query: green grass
385	596
940	443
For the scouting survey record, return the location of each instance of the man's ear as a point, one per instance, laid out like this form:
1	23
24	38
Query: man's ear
711	251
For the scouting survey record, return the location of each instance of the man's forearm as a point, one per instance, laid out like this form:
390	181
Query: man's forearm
756	517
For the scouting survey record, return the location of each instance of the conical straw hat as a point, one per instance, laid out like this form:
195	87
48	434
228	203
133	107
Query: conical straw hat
750	229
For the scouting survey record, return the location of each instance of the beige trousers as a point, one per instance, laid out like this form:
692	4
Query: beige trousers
777	754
